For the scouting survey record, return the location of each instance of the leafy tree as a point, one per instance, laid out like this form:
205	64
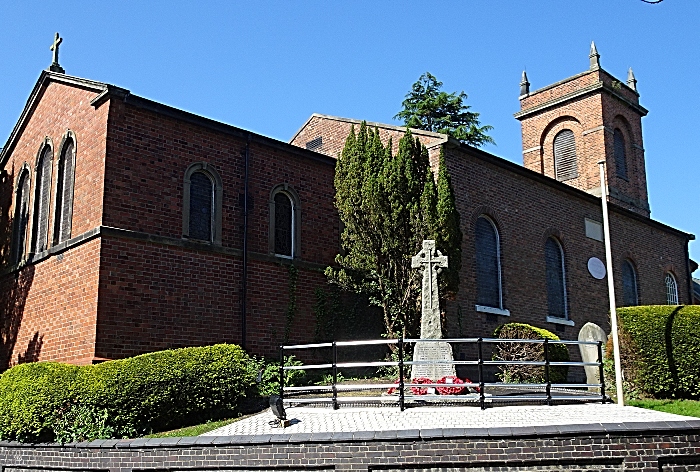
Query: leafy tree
428	108
389	204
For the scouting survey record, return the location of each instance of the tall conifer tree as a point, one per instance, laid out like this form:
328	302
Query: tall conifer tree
389	205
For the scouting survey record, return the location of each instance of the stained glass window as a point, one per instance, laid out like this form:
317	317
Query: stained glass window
21	217
64	194
629	285
201	206
284	225
488	264
41	206
556	281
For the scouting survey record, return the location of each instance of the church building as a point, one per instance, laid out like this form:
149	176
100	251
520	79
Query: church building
130	226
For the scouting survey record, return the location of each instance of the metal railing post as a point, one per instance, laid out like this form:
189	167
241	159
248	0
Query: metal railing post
546	372
281	372
335	375
601	371
401	381
482	401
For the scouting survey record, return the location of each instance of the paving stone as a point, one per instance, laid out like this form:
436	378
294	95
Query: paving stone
366	423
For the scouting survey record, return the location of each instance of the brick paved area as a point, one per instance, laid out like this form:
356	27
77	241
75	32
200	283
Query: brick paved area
347	420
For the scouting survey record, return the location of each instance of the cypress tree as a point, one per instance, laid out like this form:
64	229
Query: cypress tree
389	205
449	233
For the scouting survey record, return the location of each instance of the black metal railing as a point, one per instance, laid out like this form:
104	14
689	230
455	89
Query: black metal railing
505	392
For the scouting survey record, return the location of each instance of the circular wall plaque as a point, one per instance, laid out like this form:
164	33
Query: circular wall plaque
596	268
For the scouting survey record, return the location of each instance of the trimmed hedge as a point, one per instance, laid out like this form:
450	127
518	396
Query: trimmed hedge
151	392
529	352
30	397
660	348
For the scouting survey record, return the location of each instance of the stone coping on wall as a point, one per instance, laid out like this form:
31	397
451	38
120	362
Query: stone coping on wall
691	426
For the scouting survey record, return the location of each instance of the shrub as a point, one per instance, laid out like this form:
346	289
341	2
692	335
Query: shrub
660	348
270	379
31	395
78	422
151	392
529	352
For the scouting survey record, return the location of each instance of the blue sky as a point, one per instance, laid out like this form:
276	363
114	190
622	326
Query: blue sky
267	66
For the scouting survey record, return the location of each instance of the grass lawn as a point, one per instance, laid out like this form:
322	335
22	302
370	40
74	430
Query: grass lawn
679	407
194	430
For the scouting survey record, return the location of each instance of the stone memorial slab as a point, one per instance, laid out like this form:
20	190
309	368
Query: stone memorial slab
432	262
589	353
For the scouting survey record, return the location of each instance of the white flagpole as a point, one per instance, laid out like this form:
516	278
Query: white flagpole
611	285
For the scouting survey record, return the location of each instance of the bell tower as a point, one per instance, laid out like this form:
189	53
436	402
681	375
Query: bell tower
572	124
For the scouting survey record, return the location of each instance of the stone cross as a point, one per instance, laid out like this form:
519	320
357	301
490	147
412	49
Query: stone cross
435	354
54	47
432	262
55	67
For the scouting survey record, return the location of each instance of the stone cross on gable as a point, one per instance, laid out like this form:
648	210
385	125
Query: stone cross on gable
55	67
432	262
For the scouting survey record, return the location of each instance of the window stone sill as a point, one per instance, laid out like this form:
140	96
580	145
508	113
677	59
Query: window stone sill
492	310
561	321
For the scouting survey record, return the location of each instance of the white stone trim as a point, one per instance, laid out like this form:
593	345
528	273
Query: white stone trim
561	321
492	310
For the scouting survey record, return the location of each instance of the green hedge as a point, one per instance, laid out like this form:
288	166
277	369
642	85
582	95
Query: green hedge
529	352
660	348
142	394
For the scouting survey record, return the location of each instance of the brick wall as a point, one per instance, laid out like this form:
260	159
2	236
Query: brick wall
527	209
431	450
48	306
592	116
156	296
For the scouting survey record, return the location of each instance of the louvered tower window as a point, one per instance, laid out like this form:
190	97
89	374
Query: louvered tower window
620	156
41	201
284	225
556	279
488	264
201	207
64	193
629	285
671	290
565	163
21	218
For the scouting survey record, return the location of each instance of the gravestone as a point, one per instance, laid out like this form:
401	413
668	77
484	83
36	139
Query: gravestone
432	262
589	353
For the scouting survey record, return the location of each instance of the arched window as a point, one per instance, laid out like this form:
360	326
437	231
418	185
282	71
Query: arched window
565	163
620	156
629	285
201	207
64	191
202	203
489	291
671	289
556	279
21	219
285	215
42	192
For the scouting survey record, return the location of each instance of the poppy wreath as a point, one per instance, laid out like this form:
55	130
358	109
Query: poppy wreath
451	380
420	390
392	390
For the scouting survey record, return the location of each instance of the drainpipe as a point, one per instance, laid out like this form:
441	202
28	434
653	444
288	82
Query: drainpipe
244	290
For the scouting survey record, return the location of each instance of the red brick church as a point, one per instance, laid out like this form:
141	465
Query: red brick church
131	226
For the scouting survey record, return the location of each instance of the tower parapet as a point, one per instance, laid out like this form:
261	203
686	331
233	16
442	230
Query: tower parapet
569	126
